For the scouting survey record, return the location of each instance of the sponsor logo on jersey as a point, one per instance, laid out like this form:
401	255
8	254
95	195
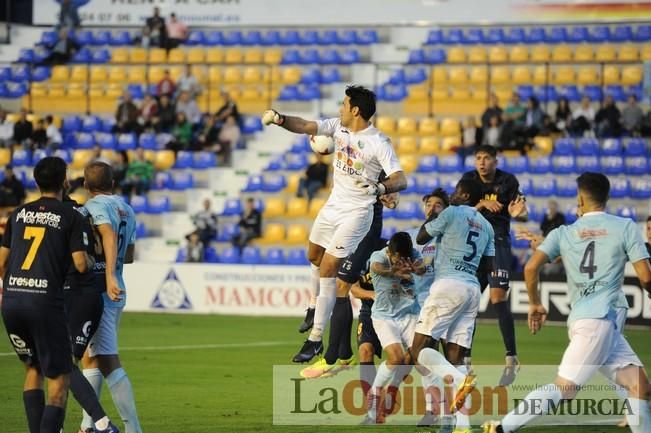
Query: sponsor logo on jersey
171	295
39	283
39	218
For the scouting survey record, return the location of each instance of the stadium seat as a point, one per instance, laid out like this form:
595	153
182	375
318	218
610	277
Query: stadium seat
587	75
184	159
138	203
274	208
251	256
428	164
253	184
516	35
612	165
636	165
456	55
296	234
540	53
450	127
230	255
636	147
540	165
158	205
479	75
297	208
641	189
273	234
477	54
516	165
619	188
274	256
450	164
583	53
498	54
407	145
631	75
642	33
273	183
427	127
586	147
544	188
628	53
587	163
611	147
565	164
297	257
409	163
386	124
182	181
564	75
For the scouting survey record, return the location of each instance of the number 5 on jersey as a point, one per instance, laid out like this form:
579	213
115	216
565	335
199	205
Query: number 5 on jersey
37	234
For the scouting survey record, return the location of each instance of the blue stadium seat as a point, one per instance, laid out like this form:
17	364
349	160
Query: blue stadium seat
182	181
274	183
388	214
311	76
617	92
147	141
5	73
394	93
233	37
587	163
228	232
91	124
251	124
612	165
397	77
127	142
159	205
84	37
274	256
570	214
495	36
271	37
526	186
450	164
556	35
251	38
518	243
469	162
310	37
435	37
181	255
571	92
105	140
517	165
69	141
454	36
415	76
642	33
297	257
536	35
100	56
599	34
435	56
330	57
593	92
276	164
204	160
290	37
546	94
19	73
210	255
517	35
213	39
619	188
121	38
84	55
16	90
251	256
636	147
473	36
611	147
162	180
525	91
449	186
71	124
544	188
64	154
296	161
636	165
141	230
622	33
253	184
564	164
288	93
49	38
428	185
388	231
588	147
139	203
27	177
184	159
108	124
412	186
38	155
627	212
136	91
566	187
408	210
330	75
230	255
534	213
196	37
308	93
641	189
302	145
102	37
564	146
368	37
85	140
26	55
540	165
578	34
347	37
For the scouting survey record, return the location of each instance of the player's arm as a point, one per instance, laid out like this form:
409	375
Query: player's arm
643	271
537	313
130	254
82	261
110	246
4	260
434	226
360	293
291	123
395	182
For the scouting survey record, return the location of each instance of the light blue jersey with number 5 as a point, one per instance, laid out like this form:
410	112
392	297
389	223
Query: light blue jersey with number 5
594	251
111	209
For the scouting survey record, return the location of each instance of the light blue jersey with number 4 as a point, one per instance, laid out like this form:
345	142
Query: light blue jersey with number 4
594	251
466	236
111	209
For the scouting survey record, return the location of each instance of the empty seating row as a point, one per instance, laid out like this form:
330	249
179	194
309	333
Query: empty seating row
250	256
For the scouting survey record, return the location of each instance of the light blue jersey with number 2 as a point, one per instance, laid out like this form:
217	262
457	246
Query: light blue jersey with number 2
594	251
111	209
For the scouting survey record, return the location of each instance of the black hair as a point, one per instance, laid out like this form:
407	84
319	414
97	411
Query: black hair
99	176
486	148
49	119
50	174
440	193
648	218
596	185
363	99
400	243
534	101
472	188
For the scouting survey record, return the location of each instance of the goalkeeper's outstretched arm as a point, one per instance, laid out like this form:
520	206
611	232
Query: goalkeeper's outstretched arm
290	123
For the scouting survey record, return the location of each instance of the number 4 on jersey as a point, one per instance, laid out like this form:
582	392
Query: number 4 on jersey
587	265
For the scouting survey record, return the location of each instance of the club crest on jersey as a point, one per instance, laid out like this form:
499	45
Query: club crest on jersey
171	295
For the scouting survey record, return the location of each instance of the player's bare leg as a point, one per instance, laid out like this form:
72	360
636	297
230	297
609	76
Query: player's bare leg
367	371
55	409
385	374
33	398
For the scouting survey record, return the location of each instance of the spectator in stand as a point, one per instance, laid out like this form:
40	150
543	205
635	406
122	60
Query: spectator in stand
148	111
205	223
126	116
23	130
120	167
563	116
188	106
582	119
39	135
208	136
68	16
144	39
549	128
493	132
645	126
316	177
608	119
140	173
632	116
177	32
99	157
533	117
227	139
513	119
492	110
12	190
182	133
188	83
54	139
6	129
472	137
157	29
195	249
250	225
552	219
166	85
62	50
229	107
166	116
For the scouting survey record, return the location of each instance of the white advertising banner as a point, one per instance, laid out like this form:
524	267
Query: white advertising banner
344	12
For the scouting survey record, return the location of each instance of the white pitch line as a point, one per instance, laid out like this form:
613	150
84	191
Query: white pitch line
194	346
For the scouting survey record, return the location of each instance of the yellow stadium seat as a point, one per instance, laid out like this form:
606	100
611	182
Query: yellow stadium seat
296	234
479	75
232	75
429	146
450	127
562	53
5	156
32	196
59	74
96	90
176	72
407	126
456	55
114	90
79	197
136	74
386	124
611	75
519	54
500	75
297	208
476	55
588	75
13	117
564	75
605	53
583	53
81	158
521	75
291	75
450	144
78	74
479	94
458	75
176	55
274	208
273	56
233	91
541	75
459	94
315	206
215	55
440	94
56	91
199	72
156	55
428	127
37	90
76	90
272	75
273	233
139	55
98	74
215	75
407	145
155	74
631	75
118	74
250	94
498	54
196	55
233	55
540	53
292	182
439	76
645	53
418	92
164	159
253	55
544	145
503	94
120	55
252	75
628	53
409	163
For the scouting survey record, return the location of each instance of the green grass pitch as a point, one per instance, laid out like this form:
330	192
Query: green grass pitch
226	386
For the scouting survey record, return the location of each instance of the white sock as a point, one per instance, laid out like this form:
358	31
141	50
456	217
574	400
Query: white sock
438	365
102	424
639	420
122	394
315	275
523	413
94	377
382	378
325	303
430	383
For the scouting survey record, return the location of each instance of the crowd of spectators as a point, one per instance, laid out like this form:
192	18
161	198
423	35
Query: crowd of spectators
40	134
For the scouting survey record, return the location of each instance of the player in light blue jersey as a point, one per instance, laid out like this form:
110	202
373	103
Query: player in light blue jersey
115	223
393	312
594	251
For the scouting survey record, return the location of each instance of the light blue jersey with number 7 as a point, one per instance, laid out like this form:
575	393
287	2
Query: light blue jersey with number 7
594	251
111	209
